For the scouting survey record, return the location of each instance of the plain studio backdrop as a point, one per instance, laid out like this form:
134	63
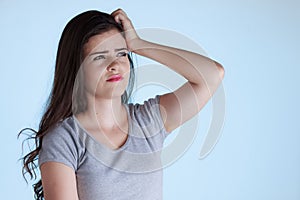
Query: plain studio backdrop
258	153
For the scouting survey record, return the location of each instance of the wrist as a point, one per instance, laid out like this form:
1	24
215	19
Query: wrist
137	45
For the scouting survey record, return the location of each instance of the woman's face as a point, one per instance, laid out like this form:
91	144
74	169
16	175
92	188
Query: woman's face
106	67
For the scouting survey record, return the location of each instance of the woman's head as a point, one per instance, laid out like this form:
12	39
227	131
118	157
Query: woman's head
78	40
105	71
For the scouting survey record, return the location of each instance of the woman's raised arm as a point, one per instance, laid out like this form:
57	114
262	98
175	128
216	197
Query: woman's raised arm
203	75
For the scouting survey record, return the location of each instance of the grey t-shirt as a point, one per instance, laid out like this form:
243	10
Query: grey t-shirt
132	172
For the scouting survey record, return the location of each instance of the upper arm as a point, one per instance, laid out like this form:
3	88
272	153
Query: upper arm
59	181
181	105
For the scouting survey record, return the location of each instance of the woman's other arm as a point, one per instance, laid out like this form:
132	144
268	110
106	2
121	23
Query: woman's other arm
59	181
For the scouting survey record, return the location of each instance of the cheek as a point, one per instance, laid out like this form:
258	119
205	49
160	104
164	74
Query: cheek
92	75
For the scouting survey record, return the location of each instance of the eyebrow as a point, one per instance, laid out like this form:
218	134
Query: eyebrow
106	51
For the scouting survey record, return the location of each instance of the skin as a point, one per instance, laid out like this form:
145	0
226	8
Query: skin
203	77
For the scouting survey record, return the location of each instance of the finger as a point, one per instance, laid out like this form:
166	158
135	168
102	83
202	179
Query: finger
114	12
117	19
116	16
117	11
120	18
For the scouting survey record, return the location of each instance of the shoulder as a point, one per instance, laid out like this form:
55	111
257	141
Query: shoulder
62	144
63	131
147	106
148	110
147	115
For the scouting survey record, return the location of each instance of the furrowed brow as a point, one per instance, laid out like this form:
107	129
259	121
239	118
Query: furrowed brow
98	52
120	49
106	51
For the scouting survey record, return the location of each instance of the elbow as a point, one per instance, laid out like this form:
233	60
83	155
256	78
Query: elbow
220	70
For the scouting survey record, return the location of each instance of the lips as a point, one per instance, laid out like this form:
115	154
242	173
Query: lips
115	78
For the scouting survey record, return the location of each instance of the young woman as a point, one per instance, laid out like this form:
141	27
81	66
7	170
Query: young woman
92	144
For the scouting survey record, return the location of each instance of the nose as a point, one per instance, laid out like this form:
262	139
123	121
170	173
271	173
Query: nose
112	66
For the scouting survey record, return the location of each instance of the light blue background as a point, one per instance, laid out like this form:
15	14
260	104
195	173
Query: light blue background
258	155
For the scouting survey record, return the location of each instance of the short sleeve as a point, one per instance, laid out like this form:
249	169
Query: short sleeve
149	117
59	145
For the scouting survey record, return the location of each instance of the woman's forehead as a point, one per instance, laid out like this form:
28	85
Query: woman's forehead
105	42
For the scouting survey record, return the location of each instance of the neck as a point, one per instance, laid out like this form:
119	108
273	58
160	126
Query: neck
106	113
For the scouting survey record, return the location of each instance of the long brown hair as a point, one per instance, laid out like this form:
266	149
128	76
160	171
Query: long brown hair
59	105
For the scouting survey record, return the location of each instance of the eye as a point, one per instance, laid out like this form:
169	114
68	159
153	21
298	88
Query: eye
99	57
122	54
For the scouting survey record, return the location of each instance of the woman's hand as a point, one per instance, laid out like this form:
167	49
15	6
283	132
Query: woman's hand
130	34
